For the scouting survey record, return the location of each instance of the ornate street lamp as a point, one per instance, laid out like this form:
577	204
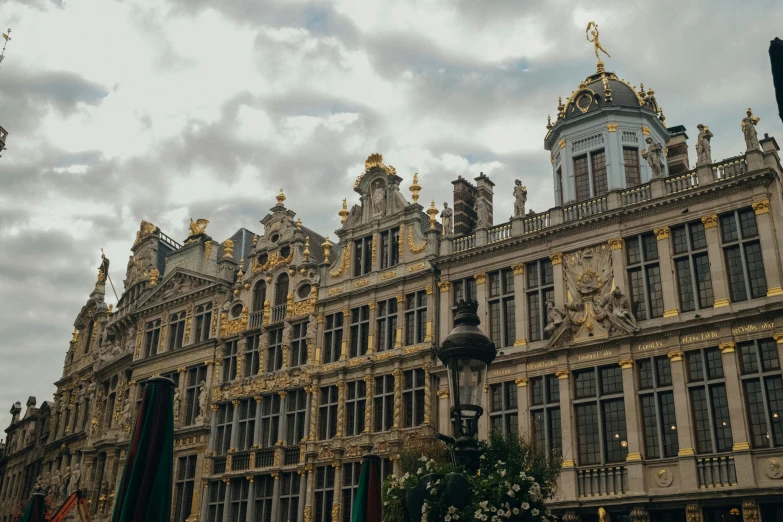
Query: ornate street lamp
466	352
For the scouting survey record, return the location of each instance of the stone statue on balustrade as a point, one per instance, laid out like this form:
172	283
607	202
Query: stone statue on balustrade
312	329
54	486
287	332
447	216
130	339
379	199
520	198
482	212
749	130
202	403
177	403
703	146
76	476
125	415
654	157
63	489
555	317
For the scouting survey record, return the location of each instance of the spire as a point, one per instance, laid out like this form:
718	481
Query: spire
280	197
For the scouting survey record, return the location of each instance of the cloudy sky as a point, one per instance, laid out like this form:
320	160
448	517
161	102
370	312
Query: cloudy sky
169	109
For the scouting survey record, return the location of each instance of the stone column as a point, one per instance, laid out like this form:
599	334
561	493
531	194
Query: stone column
251	505
739	430
715	254
204	499
633	431
397	373
520	305
346	333
212	429
444	317
234	425
309	497
181	387
302	494
618	263
371	335
481	297
368	405
444	419
281	427
400	317
523	417
338	491
430	326
275	496
241	346
227	502
340	408
670	307
685	440
769	249
427	394
557	274
568	473
314	411
257	426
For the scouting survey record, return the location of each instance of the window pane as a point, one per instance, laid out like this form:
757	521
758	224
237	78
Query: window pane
599	173
581	177
655	290
737	289
587	431
631	161
637	294
748	223
679	240
611	380
728	228
758	281
664	371
748	358
650	426
585	383
701	265
698	236
720	408
645	374
756	415
684	284
701	420
668	424
614	431
775	401
769	355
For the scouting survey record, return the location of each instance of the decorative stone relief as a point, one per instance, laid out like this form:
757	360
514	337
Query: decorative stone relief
664	478
773	468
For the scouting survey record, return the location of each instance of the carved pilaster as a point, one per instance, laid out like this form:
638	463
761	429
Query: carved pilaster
397	373
427	394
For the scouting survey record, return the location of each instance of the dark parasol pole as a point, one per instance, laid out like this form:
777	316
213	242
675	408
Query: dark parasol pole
144	494
367	506
776	59
36	509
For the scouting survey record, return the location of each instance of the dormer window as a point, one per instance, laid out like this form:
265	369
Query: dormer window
590	173
631	162
262	259
90	329
281	290
274	238
285	252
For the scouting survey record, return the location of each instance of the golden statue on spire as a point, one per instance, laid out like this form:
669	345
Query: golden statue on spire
596	44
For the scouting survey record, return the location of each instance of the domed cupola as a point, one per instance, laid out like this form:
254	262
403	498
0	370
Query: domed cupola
599	140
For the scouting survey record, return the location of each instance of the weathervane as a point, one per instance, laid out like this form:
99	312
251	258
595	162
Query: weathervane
596	44
6	37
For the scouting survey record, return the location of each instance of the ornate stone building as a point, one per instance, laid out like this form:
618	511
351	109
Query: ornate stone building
638	322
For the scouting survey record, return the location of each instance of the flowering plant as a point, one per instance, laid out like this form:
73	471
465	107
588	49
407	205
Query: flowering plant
513	482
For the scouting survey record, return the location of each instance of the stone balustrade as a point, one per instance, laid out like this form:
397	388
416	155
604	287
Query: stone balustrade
686	181
602	481
585	209
636	195
716	472
730	168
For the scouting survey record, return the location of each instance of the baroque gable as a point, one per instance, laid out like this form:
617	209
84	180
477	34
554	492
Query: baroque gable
178	284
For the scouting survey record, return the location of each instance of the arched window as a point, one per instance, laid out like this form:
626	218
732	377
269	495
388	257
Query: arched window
281	290
90	328
259	296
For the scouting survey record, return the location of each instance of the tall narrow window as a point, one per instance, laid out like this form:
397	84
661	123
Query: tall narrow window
281	290
355	399
742	251
386	324
360	330
384	402
598	164
362	256
274	353
324	493
270	420
413	397
225	416
88	342
252	363
631	161
559	197
289	497
196	378
502	327
415	317
644	275
600	415
259	296
217	498
230	361
240	489
656	397
540	290
176	330
763	387
333	337
296	406
203	321
464	290
582	179
247	424
545	413
709	403
183	487
692	266
327	413
151	338
298	344
503	416
390	248
351	473
263	498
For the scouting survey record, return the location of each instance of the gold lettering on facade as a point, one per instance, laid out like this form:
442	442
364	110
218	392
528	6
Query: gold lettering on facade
542	364
594	355
649	346
695	338
750	328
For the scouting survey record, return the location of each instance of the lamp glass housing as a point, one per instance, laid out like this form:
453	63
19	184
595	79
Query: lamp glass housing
467	377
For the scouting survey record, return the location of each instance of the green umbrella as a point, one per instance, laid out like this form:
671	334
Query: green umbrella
36	509
367	506
144	494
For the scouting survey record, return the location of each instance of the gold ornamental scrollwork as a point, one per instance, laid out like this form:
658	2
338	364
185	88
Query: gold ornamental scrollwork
518	269
616	243
761	207
345	262
273	261
374	248
388	275
662	233
412	246
480	278
710	221
444	286
417	267
556	259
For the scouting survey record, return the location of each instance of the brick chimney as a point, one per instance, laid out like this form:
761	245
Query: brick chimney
677	150
465	195
484	188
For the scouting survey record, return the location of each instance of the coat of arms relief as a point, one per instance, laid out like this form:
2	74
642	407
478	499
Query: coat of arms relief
595	307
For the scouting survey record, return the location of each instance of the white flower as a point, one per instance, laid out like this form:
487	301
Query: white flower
525	506
534	512
418	471
548	512
510	493
433	491
423	458
515	511
477	514
451	510
493	508
515	487
429	485
484	505
502	472
447	518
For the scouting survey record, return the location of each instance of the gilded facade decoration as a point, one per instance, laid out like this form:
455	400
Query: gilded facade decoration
761	207
412	246
710	221
345	263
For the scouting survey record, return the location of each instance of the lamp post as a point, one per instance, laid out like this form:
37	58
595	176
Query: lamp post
466	352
